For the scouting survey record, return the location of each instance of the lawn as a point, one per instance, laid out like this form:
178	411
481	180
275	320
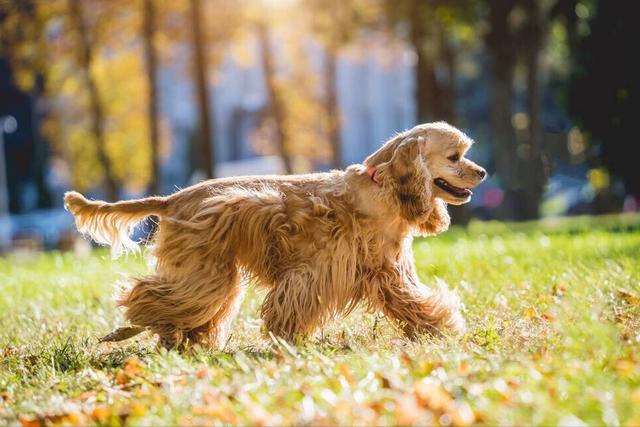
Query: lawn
553	311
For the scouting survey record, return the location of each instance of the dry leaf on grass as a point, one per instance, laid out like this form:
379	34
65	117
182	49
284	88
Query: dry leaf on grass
628	297
559	289
122	334
408	410
431	395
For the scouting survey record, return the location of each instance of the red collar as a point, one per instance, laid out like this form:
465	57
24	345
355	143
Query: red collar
371	171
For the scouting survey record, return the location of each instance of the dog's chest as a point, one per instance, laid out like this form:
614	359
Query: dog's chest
387	245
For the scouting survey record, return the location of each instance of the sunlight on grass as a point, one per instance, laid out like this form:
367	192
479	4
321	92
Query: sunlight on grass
553	316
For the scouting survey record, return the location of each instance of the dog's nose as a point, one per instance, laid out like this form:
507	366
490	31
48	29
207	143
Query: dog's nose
482	173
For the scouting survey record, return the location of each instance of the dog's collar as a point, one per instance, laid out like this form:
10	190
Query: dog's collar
371	171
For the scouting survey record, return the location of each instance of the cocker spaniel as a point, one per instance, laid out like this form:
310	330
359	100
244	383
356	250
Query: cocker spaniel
319	244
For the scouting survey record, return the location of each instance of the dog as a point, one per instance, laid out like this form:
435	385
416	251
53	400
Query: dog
319	244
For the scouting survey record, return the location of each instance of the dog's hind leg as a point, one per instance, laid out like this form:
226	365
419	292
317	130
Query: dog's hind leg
193	308
216	331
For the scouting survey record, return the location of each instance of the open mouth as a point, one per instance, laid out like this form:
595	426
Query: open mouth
461	193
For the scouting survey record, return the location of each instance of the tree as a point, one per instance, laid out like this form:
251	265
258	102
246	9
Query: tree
437	30
518	33
335	24
333	111
202	91
433	31
151	65
275	109
605	89
85	55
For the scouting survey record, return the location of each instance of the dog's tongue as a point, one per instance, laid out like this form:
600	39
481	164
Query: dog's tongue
456	191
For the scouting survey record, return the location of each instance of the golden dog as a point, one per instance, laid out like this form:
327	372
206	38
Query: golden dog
319	244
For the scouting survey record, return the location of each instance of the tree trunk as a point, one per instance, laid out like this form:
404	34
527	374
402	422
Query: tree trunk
501	49
445	90
333	111
151	62
275	104
536	176
425	70
202	91
85	57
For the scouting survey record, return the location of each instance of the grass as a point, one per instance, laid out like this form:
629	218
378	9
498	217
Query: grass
554	338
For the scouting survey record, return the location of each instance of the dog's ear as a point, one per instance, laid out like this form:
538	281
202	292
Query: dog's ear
409	180
437	222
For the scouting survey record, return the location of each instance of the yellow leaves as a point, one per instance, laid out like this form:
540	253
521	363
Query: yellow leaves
29	422
408	411
101	413
62	419
214	407
132	369
431	395
433	399
627	368
628	297
202	372
559	289
347	373
464	368
530	312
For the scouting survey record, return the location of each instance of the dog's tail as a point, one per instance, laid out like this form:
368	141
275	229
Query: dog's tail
111	223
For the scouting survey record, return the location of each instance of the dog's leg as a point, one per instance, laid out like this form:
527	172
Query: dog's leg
401	296
218	328
191	308
293	308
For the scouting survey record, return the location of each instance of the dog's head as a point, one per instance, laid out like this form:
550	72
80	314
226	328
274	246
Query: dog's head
424	167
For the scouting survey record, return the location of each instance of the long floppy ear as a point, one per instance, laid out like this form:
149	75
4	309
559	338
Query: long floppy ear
437	222
408	180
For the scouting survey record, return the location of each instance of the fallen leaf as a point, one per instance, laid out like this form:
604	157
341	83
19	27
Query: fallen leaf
70	418
30	421
406	358
431	395
625	368
100	413
85	395
132	367
559	289
260	416
547	316
202	372
464	368
530	312
628	297
407	410
122	334
346	373
210	397
461	414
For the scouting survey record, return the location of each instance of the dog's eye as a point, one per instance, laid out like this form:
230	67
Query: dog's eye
454	158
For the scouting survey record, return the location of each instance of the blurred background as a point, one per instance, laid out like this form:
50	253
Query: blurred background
126	98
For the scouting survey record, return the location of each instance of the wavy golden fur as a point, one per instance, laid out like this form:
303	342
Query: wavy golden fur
319	244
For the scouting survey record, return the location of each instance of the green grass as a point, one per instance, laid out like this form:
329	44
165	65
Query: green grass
551	340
